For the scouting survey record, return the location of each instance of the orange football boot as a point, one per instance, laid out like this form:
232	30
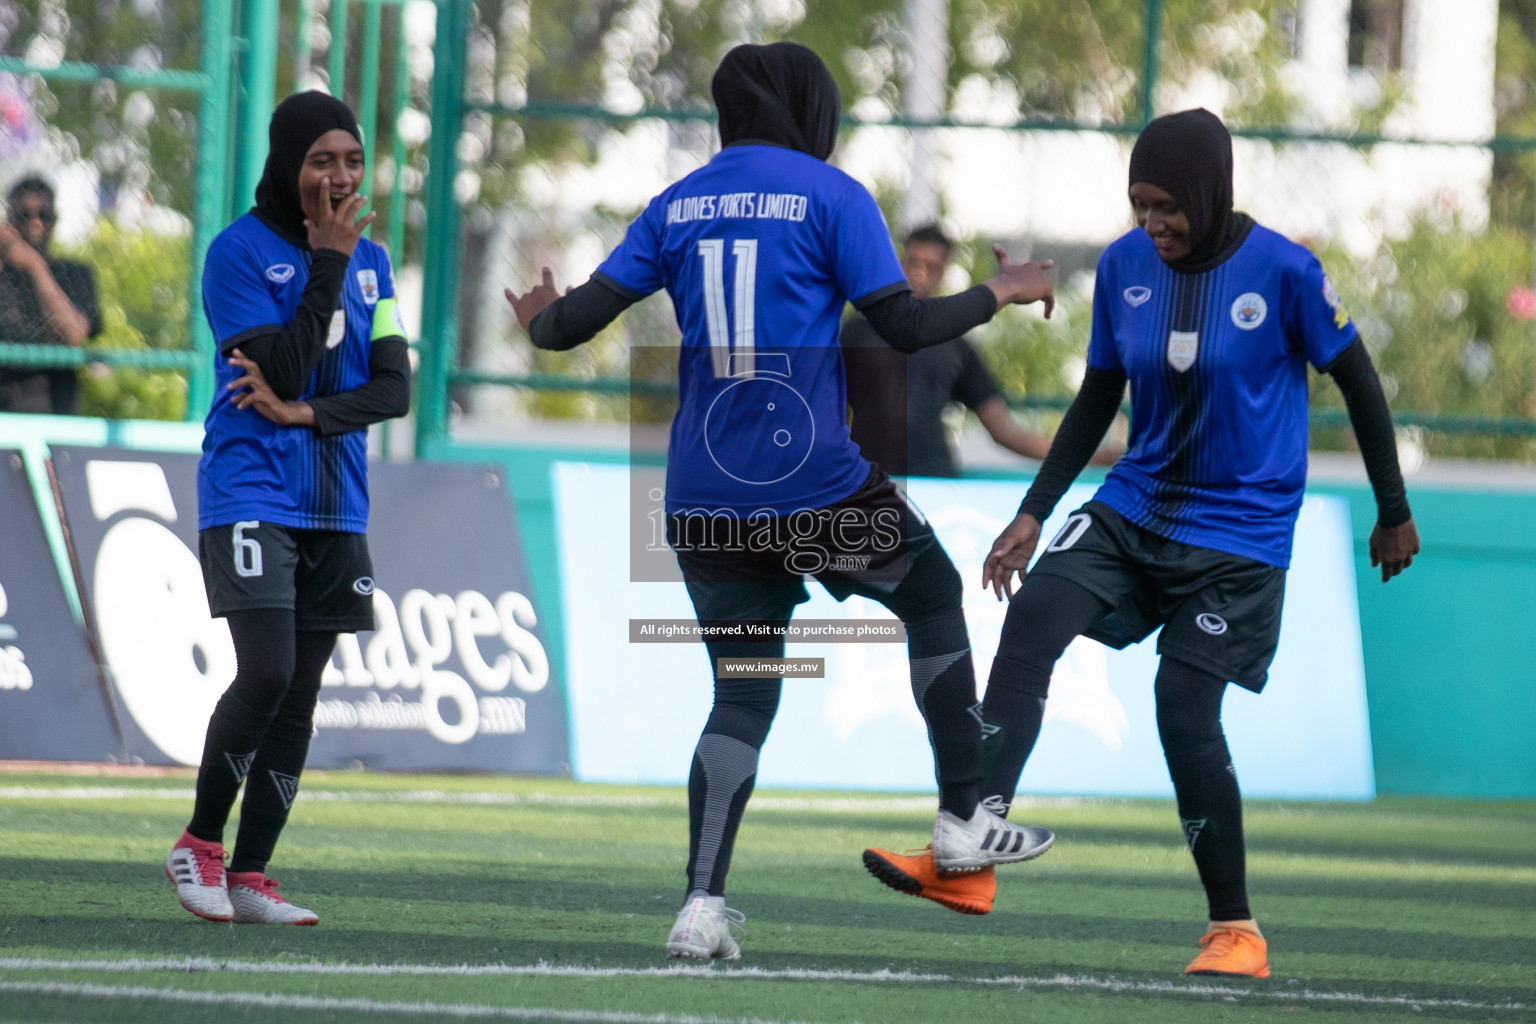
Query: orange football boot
915	875
1232	952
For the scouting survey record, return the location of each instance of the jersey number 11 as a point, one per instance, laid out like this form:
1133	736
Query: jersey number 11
722	343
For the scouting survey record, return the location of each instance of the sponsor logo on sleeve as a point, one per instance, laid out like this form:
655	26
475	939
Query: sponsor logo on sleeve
1137	295
1330	296
280	273
368	281
1249	311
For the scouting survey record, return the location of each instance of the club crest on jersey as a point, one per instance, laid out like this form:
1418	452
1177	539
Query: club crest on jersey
1137	295
368	281
280	273
1249	311
338	329
1183	346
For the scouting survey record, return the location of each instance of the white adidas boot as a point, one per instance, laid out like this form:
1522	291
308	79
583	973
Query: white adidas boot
197	868
255	901
703	930
985	840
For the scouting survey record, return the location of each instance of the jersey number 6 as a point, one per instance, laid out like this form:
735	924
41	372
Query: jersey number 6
247	550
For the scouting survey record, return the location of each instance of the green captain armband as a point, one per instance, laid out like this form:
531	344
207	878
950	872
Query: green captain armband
387	322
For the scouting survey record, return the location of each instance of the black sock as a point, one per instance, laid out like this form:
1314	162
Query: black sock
274	778
1044	616
1011	717
723	774
1205	783
264	659
944	686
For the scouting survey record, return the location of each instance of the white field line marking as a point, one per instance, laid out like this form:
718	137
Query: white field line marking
821	805
197	965
271	1000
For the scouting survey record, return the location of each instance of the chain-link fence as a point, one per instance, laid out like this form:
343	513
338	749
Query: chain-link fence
1385	135
145	125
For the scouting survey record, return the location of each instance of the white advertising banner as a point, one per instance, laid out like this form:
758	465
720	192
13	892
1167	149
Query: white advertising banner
637	708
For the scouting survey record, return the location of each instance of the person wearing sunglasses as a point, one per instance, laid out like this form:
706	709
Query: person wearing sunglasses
43	301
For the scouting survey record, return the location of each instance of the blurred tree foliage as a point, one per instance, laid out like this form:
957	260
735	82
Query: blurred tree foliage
1450	322
145	141
1514	173
1440	307
141	279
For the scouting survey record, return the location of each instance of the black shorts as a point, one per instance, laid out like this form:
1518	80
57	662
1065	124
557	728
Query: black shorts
1219	611
323	576
866	544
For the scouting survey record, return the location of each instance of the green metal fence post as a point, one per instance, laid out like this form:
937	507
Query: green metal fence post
397	143
303	47
368	103
211	198
1151	65
259	27
337	57
439	319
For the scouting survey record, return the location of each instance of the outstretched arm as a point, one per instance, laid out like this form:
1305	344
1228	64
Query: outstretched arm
1395	539
1031	444
910	324
1009	433
559	322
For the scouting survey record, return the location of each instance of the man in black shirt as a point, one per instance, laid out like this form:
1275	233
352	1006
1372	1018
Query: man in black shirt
898	398
43	301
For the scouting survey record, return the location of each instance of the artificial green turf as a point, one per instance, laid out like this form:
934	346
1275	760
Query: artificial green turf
1429	902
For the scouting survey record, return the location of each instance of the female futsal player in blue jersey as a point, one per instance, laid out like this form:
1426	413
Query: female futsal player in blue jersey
1213	320
311	353
760	250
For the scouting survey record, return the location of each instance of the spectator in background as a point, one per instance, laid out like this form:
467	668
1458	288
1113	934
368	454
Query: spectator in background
43	301
898	398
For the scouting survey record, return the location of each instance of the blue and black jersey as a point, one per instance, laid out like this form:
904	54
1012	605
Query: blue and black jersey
1217	364
759	250
253	469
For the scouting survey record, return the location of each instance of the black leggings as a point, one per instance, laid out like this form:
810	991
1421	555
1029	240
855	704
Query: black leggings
943	684
260	730
1046	614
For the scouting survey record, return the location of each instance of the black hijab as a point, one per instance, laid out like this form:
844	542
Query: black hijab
297	123
780	94
1189	156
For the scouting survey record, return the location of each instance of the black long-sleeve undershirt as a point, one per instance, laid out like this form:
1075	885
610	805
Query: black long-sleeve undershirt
385	395
1356	377
907	323
1094	408
580	313
910	324
1082	428
288	357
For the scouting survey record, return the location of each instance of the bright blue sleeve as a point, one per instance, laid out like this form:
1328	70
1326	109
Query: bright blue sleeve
636	264
859	244
1102	354
386	274
236	297
1316	322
